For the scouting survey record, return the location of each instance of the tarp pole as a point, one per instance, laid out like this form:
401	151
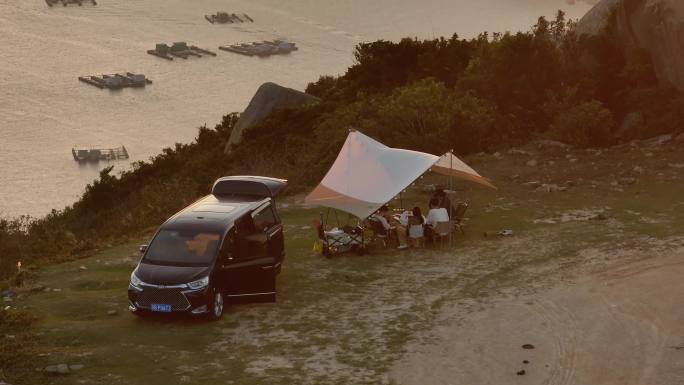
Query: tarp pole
451	178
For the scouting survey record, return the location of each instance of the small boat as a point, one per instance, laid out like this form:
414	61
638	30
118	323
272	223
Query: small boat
261	49
236	49
116	81
227	18
178	49
283	46
202	50
50	3
93	154
161	50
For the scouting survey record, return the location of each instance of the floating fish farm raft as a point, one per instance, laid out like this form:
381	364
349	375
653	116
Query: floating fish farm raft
178	49
50	3
116	81
228	18
92	154
262	49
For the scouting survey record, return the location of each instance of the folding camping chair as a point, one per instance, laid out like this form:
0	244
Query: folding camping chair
379	231
459	213
416	231
443	230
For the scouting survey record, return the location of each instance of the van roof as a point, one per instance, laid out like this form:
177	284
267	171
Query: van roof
213	213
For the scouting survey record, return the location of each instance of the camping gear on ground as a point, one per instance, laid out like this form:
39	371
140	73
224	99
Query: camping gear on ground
367	174
459	214
338	240
500	233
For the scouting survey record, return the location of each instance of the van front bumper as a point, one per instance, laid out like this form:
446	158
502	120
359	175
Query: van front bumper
168	299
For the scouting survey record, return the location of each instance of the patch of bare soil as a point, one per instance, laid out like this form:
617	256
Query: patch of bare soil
622	324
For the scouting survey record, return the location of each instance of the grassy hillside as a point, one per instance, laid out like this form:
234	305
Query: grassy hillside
346	320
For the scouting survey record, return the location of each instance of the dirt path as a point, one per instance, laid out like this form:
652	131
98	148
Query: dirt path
623	325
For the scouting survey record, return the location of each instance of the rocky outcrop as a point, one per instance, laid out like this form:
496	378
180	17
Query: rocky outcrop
268	98
656	26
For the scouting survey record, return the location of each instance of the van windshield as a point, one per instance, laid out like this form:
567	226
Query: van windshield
183	248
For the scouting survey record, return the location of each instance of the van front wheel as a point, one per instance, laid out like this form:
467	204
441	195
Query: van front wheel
217	304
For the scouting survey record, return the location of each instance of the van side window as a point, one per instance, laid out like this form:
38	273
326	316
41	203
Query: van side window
244	227
265	219
227	249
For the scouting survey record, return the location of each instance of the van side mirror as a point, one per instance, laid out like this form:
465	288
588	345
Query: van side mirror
143	249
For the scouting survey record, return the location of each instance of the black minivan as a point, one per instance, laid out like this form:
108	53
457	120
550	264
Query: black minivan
227	246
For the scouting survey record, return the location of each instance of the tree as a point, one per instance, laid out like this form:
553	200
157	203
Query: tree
417	116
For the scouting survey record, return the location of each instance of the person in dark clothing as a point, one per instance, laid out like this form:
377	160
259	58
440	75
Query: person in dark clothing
443	199
419	215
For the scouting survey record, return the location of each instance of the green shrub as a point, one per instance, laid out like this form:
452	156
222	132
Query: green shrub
588	124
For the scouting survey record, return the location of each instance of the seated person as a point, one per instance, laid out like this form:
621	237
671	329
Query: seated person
416	225
383	216
435	215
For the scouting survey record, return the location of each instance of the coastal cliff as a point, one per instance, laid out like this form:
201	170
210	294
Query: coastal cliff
656	26
269	97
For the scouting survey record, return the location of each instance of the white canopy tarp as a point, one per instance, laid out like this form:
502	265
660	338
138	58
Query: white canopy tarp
449	164
367	174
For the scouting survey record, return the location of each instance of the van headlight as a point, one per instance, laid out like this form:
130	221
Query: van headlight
136	282
200	283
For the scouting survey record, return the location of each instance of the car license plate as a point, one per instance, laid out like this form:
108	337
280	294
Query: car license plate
160	307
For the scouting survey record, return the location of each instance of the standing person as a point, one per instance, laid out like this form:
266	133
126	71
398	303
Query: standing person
435	215
443	199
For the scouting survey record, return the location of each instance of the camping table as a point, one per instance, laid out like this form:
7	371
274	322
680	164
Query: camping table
342	241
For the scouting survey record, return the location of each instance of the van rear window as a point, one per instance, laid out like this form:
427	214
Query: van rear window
177	247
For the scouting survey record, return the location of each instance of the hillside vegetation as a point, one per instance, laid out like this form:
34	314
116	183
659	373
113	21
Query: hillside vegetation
470	95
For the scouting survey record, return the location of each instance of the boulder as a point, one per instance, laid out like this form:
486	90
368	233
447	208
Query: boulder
533	184
58	369
628	181
546	144
653	25
268	98
551	188
657	141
